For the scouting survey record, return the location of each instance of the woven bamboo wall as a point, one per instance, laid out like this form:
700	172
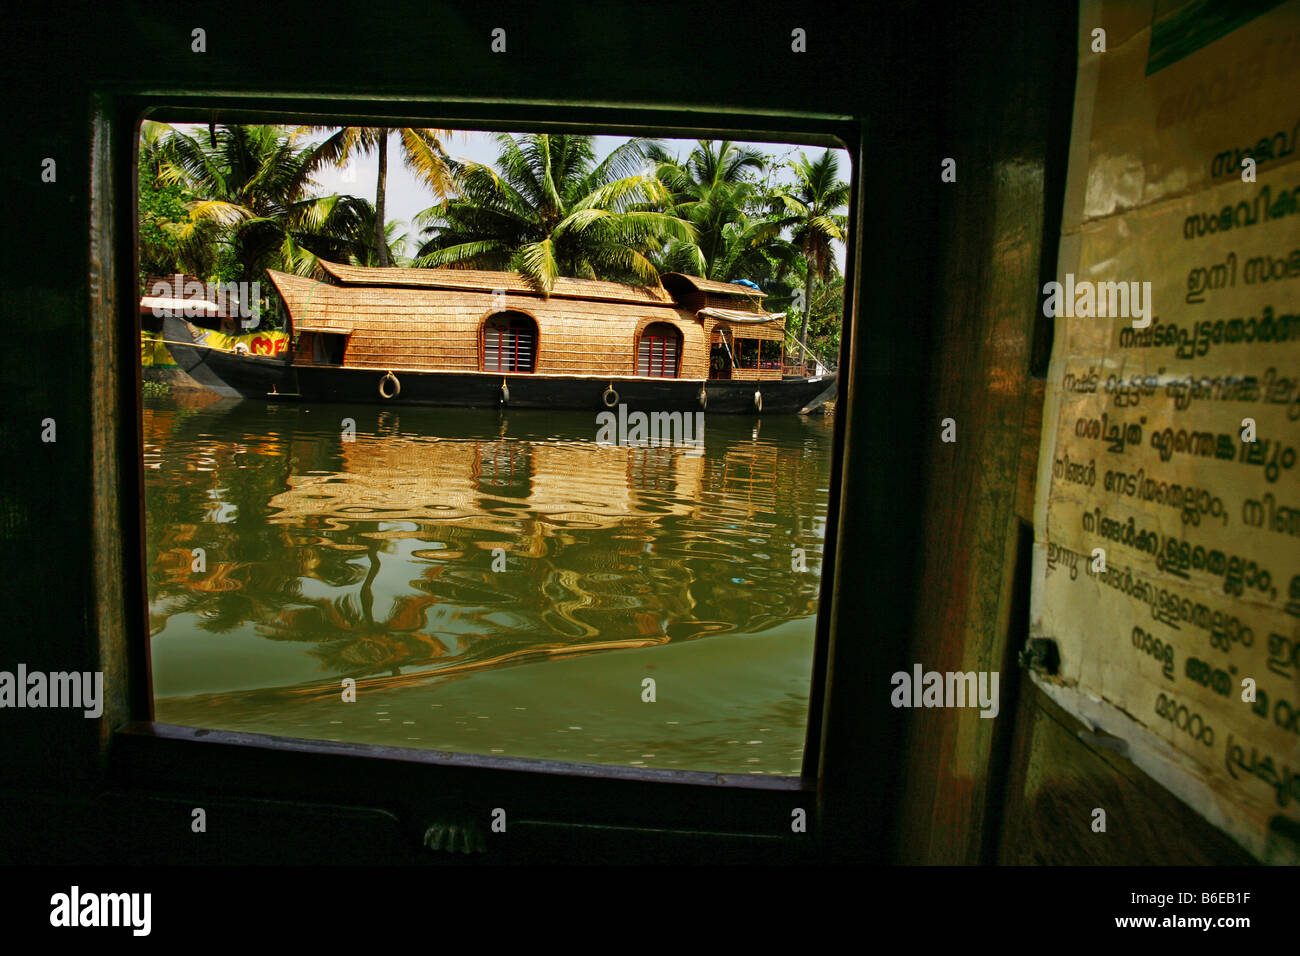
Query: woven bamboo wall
774	330
440	329
756	374
768	331
738	303
478	280
383	479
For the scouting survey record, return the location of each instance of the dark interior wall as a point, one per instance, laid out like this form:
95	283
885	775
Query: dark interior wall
1005	120
1056	779
945	328
1019	788
68	530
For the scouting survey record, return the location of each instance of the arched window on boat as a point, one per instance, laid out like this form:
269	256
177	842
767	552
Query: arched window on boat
509	343
658	353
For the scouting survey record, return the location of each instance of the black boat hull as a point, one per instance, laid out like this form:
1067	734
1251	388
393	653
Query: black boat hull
246	376
227	374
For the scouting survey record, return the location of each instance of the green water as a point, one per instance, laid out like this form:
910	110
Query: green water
494	583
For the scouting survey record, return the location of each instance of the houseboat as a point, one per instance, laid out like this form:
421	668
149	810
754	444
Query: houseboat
473	338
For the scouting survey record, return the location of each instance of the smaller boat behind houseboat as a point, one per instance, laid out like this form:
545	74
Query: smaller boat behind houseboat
471	338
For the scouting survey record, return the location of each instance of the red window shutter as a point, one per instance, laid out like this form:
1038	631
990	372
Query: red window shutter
656	354
509	345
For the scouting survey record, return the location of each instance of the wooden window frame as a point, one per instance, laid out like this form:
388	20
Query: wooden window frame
514	315
318	342
569	801
758	353
679	341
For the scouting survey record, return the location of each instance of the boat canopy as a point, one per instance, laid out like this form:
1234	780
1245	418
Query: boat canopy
178	306
735	315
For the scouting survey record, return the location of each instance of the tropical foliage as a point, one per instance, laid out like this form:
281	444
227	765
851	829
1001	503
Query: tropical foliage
163	211
421	150
365	251
808	210
715	189
549	209
252	204
229	202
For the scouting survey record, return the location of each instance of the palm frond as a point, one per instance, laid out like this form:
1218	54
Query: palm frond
538	262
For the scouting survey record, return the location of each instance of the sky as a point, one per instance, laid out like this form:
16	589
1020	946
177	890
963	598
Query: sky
406	197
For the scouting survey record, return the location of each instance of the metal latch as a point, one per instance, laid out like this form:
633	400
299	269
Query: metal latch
1041	654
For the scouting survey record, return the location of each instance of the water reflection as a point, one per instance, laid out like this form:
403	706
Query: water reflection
439	550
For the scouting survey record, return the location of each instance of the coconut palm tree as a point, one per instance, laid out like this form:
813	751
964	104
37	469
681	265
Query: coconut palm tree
162	211
350	640
808	210
713	189
364	252
421	150
254	197
549	209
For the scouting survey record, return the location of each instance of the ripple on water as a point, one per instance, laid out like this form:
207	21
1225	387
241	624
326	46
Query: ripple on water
310	577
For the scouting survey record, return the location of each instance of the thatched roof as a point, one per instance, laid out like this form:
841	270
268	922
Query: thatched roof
679	284
432	326
481	280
